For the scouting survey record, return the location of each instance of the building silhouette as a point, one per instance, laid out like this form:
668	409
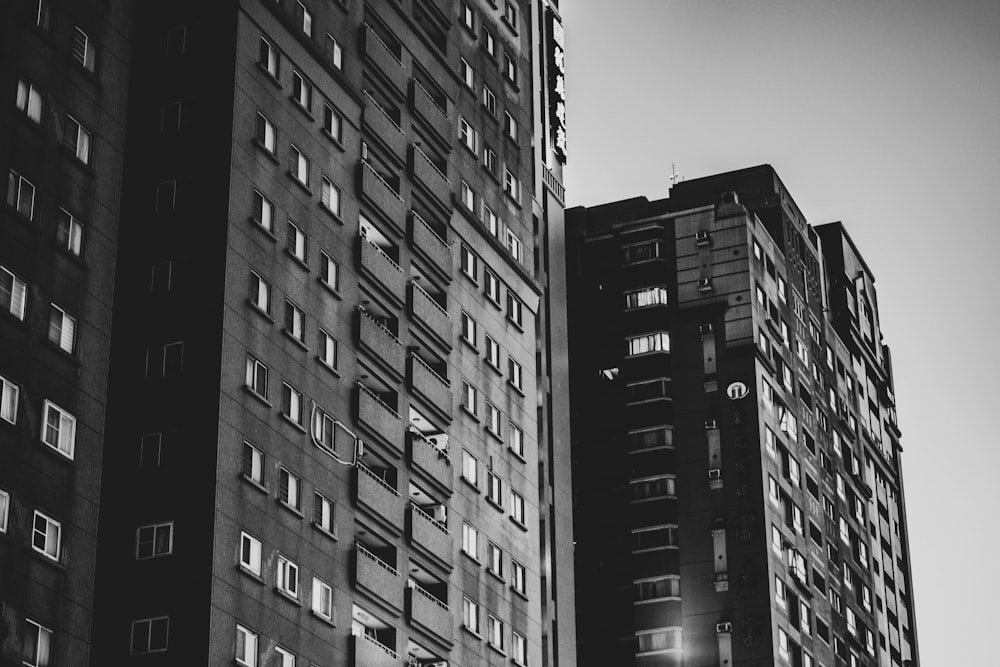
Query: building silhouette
738	496
325	421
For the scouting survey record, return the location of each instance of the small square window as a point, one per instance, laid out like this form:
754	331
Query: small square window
69	232
46	536
59	429
84	50
291	405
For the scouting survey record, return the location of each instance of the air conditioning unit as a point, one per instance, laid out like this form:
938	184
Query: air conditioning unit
440	513
711	424
705	329
715	473
701	238
704	284
723	627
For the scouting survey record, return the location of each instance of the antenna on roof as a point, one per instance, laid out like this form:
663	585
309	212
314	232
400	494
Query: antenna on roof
675	178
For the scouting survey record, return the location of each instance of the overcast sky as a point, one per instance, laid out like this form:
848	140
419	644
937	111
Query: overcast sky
884	114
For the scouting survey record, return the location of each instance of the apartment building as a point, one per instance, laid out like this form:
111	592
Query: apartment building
738	491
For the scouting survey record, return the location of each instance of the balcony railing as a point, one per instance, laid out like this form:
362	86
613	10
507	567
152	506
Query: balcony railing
368	652
430	243
376	495
381	193
378	577
430	534
383	268
380	55
430	385
431	314
383	125
428	110
379	417
430	613
431	459
431	177
381	342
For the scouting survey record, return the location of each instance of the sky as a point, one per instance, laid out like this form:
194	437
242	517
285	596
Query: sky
884	114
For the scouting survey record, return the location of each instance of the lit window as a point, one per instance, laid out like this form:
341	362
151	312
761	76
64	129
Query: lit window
59	430
322	599
250	553
21	194
256	379
470	541
470	262
330	196
470	397
253	463
333	123
515	309
467	196
84	50
489	100
295	242
267	135
518	648
323	512
514	371
37	645
301	91
287	577
288	491
517	507
510	125
329	272
246	647
329	350
492	286
291	405
465	72
470	468
46	536
518	577
305	19
154	540
468	135
79	140
62	329
298	165
470	329
494	559
648	296
268	57
69	232
149	635
492	352
494	488
470	615
260	293
647	343
263	211
13	294
516	439
495	631
334	53
30	101
9	393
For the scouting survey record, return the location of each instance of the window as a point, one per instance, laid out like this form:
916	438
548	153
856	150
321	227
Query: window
494	559
294	321
149	451
515	309
42	14
514	371
69	232
253	463
648	343
9	393
518	577
323	512
4	510
470	468
783	644
468	135
330	196
260	293
492	352
329	272
490	162
468	16
287	577
645	297
516	439
46	536
514	246
30	101
770	443
154	540
470	262
256	377
465	73
655	589
641	252
470	398
246	647
492	286
285	658
647	438
79	140
510	14
295	242
470	329
21	194
654	487
470	615
509	125
334	53
518	648
263	211
495	631
301	91
37	646
250	553
322	599
266	134
654	537
510	68
467	196
333	123
494	488
329	350
489	43
517	507
62	329
13	294
491	221
304	19
268	57
150	635
298	166
288	492
84	50
470	541
59	431
489	100
291	403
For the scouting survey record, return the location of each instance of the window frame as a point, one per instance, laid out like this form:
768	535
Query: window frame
154	542
52	552
250	561
65	432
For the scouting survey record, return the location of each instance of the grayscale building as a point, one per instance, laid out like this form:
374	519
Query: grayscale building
738	493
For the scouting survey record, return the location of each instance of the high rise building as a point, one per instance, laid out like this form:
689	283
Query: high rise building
63	74
736	461
337	424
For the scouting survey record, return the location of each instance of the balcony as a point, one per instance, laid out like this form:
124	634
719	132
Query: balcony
431	460
369	653
433	180
428	612
381	342
430	535
430	112
378	191
430	243
383	126
382	57
381	419
383	268
426	381
430	314
378	496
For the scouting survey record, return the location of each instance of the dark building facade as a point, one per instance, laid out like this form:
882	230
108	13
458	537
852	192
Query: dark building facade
337	423
64	73
738	493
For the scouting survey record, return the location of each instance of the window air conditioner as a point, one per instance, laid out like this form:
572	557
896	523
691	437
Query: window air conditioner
723	627
701	238
715	473
711	424
705	329
704	282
